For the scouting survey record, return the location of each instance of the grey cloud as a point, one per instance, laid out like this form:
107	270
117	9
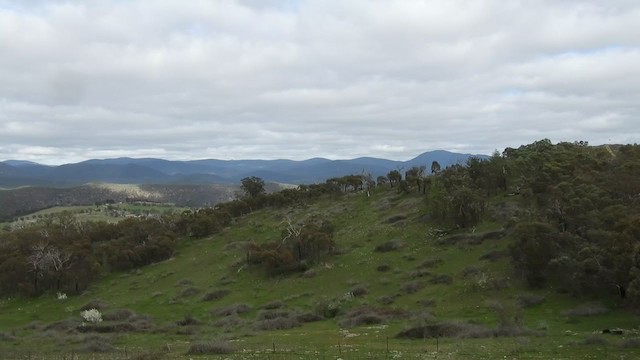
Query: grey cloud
298	79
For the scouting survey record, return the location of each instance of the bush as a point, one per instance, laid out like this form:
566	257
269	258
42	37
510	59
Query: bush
391	245
229	321
412	287
96	344
188	320
430	262
216	295
441	279
383	268
97	304
92	315
527	301
631	343
210	347
118	315
232	310
277	304
586	310
595	340
6	337
367	315
279	323
308	317
446	329
359	291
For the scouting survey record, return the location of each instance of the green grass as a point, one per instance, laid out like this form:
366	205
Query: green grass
362	223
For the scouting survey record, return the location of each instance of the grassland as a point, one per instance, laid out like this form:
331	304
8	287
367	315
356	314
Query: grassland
426	277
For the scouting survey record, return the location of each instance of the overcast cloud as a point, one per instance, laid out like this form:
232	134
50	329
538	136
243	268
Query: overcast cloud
299	79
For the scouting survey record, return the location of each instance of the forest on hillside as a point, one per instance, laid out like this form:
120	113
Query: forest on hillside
570	210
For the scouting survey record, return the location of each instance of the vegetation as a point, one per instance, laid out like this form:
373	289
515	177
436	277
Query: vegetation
532	253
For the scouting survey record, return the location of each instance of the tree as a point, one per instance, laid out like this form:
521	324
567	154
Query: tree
394	176
435	167
252	186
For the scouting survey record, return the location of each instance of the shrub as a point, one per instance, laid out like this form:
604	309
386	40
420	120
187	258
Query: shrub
385	300
446	329
273	314
427	302
279	323
97	344
494	255
92	315
430	262
631	343
441	279
232	309
412	287
528	300
391	245
383	268
210	347
359	291
216	295
184	282
277	304
63	325
229	321
586	310
308	317
95	304
118	315
595	340
6	337
188	320
367	315
418	274
190	291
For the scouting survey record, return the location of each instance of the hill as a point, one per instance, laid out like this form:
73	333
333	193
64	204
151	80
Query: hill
14	173
494	260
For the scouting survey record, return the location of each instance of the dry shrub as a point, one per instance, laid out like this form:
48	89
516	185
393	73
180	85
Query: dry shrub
34	325
427	302
6	337
280	323
395	218
368	315
273	314
631	343
391	245
418	274
383	268
451	329
277	304
495	255
229	321
118	315
430	262
441	279
386	300
150	356
184	282
530	300
412	287
97	304
359	291
96	344
586	310
308	317
210	347
309	273
190	291
471	270
188	320
232	309
64	325
595	340
216	295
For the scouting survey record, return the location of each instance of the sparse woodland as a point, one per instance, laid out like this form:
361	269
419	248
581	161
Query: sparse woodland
573	216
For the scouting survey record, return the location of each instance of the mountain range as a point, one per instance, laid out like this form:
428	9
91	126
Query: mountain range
16	173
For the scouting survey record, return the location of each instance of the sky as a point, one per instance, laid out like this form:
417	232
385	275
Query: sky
263	79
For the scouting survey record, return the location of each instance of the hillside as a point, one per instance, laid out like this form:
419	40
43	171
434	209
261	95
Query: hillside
385	273
15	173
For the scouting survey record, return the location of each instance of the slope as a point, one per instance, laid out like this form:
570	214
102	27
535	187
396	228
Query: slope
420	275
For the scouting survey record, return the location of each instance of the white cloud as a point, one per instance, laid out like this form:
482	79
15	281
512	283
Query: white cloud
298	79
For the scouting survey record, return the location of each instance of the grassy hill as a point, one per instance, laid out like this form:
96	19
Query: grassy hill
395	268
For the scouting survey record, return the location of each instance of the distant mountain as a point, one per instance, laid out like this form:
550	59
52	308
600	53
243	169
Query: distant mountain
14	173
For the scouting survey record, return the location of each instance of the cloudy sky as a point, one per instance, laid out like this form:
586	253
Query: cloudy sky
298	79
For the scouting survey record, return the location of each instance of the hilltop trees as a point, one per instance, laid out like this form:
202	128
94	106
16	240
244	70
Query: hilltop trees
252	186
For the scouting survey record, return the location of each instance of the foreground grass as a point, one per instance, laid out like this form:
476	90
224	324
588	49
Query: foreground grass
472	284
